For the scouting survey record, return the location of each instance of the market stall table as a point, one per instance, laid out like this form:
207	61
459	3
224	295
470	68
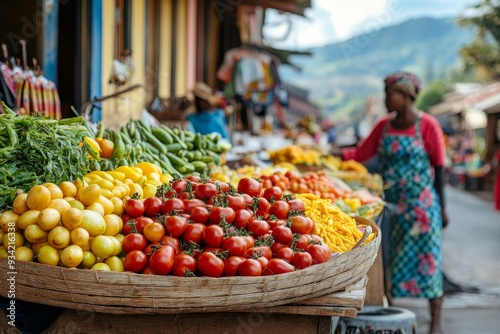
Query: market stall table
315	315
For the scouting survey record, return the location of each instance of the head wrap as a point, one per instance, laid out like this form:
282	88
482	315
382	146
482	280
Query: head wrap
404	82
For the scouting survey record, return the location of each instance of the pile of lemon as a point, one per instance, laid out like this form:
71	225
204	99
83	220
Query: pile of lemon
76	224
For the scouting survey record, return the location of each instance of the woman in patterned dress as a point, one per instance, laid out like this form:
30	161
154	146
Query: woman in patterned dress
411	148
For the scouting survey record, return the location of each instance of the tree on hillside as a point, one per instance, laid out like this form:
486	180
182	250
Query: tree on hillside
432	95
483	54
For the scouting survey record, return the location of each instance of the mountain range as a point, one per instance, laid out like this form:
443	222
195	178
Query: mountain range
341	76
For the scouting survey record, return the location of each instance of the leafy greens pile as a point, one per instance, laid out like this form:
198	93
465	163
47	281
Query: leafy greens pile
35	150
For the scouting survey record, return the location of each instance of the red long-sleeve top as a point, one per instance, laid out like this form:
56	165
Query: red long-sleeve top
432	137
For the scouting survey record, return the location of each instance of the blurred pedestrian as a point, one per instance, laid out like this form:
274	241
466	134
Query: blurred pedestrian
411	150
210	114
496	191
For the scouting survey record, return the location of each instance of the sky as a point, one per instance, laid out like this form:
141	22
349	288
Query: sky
331	21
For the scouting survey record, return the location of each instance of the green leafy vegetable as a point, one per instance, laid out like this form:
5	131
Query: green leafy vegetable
35	150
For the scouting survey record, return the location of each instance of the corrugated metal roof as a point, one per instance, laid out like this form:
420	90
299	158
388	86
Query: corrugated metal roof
292	6
482	99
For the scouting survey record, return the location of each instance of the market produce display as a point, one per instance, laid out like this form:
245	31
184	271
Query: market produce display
176	151
187	227
35	150
77	223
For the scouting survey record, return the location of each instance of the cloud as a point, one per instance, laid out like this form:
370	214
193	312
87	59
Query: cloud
331	21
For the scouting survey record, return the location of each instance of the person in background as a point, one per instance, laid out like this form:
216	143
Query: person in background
411	150
496	190
210	114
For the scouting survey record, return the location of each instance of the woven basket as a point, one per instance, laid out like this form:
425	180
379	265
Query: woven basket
128	293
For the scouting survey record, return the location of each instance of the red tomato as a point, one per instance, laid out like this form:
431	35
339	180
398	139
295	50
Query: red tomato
129	226
263	261
319	253
249	186
276	246
273	194
126	218
154	232
275	223
280	209
135	261
259	251
262	207
218	212
148	271
248	200
236	202
205	191
190	204
184	265
302	260
210	265
231	265
194	233
235	246
162	260
179	185
285	253
152	206
213	236
200	215
277	266
296	205
250	267
304	242
258	227
171	241
134	241
134	207
242	218
194	178
283	234
215	250
151	247
141	222
302	225
250	241
172	204
223	186
175	225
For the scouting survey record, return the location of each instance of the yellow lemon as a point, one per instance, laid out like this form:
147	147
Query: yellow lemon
80	236
24	254
72	218
48	219
59	237
48	255
88	260
60	205
20	204
38	198
88	195
114	263
55	191
72	256
30	217
107	205
118	206
114	224
35	234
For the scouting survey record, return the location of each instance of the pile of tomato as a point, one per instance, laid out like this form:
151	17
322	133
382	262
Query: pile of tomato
317	183
195	227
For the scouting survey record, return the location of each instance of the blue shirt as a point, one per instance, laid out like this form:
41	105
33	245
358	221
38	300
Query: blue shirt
207	122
